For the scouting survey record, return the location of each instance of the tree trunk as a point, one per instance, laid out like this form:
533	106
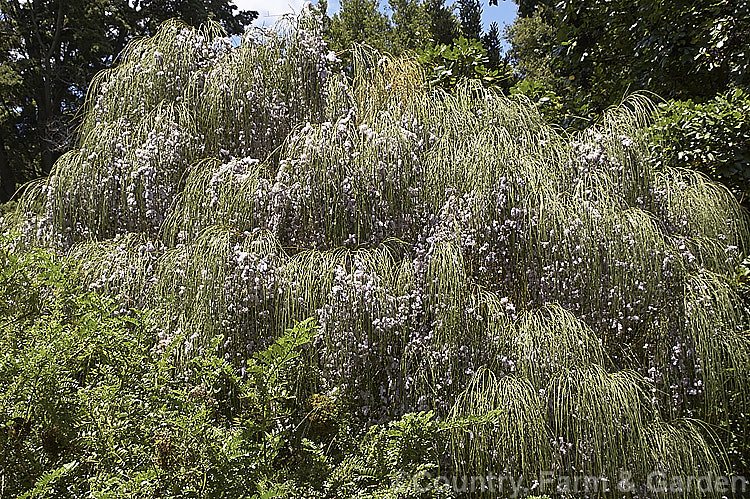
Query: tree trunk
44	114
7	179
45	105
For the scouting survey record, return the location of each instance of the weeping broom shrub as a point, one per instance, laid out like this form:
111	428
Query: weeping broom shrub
460	255
502	444
166	105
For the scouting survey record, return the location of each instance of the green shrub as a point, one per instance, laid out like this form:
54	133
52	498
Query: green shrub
398	460
550	104
713	137
89	403
447	65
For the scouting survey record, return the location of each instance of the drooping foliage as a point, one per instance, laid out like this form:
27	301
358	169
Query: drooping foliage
459	254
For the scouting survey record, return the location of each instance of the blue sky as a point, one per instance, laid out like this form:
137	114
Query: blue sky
270	10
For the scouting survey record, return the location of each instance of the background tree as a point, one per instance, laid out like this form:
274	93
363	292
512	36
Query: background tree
465	58
359	21
609	49
419	23
532	41
590	54
50	50
528	7
444	26
470	14
193	12
451	47
494	46
411	25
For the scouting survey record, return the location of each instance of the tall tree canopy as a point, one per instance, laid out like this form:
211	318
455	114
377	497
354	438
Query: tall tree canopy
448	39
50	50
494	46
605	50
470	13
444	26
193	12
358	21
413	25
594	53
